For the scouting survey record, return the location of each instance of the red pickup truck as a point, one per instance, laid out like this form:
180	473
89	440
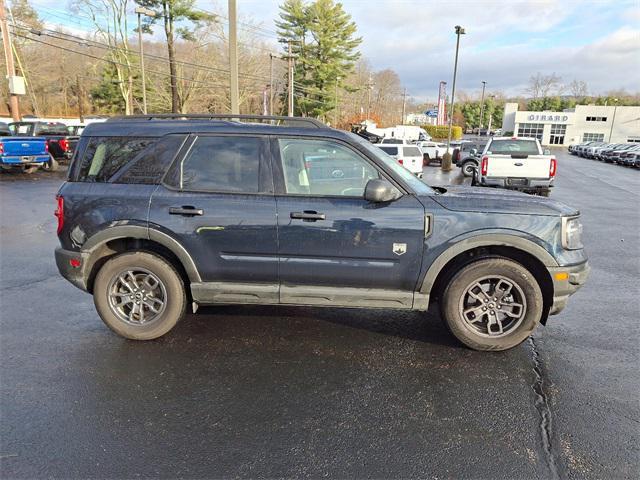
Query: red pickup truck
61	145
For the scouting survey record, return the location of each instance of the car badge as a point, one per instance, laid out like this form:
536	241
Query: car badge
399	248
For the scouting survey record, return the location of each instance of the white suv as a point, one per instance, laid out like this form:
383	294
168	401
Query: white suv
409	156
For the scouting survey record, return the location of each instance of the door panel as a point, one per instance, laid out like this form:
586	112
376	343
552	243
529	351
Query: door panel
219	205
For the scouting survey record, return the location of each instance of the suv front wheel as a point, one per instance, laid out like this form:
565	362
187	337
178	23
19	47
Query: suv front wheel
139	295
492	304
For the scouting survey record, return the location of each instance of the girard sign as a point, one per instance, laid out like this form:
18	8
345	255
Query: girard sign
548	117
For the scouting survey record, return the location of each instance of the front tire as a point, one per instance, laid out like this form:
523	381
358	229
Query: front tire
492	304
139	295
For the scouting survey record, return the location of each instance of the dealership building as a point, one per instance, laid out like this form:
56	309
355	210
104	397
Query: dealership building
581	124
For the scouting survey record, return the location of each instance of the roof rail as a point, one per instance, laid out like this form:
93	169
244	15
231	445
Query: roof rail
267	119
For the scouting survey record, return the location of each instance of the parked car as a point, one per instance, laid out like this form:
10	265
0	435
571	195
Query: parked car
432	151
516	163
589	150
25	153
61	145
197	211
625	157
467	157
409	156
611	155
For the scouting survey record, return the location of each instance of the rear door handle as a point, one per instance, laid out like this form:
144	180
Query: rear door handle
186	210
308	215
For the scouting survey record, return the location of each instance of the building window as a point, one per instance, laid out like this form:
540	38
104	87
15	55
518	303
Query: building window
532	130
633	139
557	134
593	137
596	119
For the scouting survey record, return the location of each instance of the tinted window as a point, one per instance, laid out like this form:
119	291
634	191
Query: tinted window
392	140
223	164
320	167
51	129
412	152
105	156
390	150
507	147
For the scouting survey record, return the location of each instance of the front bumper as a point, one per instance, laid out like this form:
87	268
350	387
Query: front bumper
566	282
77	275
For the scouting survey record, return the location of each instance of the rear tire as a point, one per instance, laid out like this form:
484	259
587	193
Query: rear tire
139	295
52	165
467	169
492	304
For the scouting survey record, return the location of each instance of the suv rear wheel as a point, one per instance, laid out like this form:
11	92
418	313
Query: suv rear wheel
492	304
139	295
468	168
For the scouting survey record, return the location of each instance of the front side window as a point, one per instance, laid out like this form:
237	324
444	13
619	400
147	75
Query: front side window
324	168
223	164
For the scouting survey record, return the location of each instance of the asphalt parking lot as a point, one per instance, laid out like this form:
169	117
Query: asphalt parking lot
304	392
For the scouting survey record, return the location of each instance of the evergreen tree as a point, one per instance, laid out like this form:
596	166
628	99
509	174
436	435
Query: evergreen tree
324	43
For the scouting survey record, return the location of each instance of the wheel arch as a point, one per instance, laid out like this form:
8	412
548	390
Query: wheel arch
529	254
119	239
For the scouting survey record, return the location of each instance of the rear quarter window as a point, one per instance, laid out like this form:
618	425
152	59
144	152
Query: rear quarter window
390	150
106	159
412	152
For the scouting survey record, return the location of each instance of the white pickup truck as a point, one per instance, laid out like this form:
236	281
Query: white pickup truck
517	163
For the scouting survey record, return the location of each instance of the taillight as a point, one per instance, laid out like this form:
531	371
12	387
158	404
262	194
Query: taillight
1	148
59	213
400	161
64	144
553	167
46	146
484	165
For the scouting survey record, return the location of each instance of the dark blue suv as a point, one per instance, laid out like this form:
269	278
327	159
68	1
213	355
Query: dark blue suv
164	213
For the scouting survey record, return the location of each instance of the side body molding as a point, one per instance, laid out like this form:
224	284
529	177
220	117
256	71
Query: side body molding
145	233
484	240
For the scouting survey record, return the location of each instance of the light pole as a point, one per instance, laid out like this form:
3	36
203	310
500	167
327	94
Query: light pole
484	84
615	108
446	162
490	117
149	13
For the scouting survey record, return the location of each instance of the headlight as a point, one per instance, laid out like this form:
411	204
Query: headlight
571	233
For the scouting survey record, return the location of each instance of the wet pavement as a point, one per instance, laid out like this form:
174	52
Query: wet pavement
303	392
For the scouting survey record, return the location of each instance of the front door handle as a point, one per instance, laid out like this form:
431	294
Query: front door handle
308	215
186	210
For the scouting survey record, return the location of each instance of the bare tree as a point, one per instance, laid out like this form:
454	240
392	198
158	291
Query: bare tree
541	86
578	89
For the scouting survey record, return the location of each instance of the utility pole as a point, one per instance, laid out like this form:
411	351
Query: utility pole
233	56
369	88
290	86
149	13
404	104
335	116
490	118
11	69
446	163
484	84
80	95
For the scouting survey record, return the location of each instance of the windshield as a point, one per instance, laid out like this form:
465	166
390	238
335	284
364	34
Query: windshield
507	147
410	179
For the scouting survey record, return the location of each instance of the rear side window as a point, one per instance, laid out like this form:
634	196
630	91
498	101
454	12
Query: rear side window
390	150
104	157
223	164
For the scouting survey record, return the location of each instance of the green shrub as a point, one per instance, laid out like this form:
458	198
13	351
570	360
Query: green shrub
441	132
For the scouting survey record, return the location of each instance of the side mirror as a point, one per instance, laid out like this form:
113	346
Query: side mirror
378	191
547	151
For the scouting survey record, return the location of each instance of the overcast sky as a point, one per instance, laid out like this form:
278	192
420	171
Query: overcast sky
506	42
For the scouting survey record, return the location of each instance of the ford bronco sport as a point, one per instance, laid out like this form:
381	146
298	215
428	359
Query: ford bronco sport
164	213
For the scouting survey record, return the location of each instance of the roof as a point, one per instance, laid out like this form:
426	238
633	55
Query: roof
160	125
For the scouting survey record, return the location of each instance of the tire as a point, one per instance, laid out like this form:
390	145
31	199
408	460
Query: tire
467	169
170	288
52	165
506	332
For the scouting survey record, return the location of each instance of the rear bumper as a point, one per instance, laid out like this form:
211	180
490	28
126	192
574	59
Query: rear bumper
75	275
15	161
566	282
529	184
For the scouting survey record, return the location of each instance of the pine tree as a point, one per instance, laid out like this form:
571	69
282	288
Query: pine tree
324	43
